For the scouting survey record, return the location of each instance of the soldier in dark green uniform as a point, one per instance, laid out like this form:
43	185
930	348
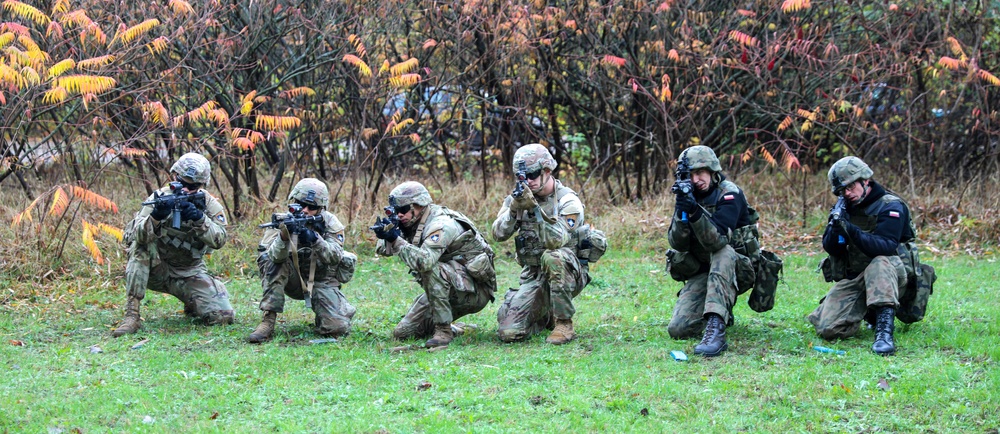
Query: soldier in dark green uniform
449	258
869	247
714	242
319	267
171	260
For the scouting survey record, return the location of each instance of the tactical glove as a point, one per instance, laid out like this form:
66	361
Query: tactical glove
524	202
388	235
687	205
190	213
160	211
308	237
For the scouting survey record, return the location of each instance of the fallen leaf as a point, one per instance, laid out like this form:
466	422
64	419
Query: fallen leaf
882	384
139	345
424	386
213	416
16	343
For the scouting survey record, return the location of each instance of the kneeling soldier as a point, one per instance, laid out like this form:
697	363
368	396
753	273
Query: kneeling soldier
448	256
302	256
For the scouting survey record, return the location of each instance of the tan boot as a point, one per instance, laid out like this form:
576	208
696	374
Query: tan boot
442	336
132	322
264	331
562	333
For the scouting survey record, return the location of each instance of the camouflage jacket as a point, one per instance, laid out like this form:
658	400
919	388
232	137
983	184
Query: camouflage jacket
328	251
180	248
878	226
727	220
441	235
535	235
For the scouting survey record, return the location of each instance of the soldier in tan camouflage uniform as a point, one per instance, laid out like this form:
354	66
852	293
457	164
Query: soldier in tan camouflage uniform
713	236
871	254
448	256
319	266
545	215
165	259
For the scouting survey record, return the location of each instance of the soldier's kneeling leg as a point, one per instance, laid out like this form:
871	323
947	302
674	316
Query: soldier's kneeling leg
335	326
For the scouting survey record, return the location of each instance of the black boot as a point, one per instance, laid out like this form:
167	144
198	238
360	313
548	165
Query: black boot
714	341
885	323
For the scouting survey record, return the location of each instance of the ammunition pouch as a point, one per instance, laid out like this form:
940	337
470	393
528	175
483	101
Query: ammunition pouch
682	266
345	269
768	271
834	269
591	244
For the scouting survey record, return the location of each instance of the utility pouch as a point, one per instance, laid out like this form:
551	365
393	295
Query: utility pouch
682	266
833	269
345	270
913	299
480	268
769	268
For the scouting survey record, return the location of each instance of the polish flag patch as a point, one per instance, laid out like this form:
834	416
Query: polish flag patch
728	197
894	214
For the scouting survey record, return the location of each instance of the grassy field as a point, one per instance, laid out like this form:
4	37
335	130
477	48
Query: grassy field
65	372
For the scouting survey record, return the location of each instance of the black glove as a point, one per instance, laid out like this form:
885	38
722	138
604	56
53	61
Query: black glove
190	213
387	235
687	205
308	237
199	202
160	211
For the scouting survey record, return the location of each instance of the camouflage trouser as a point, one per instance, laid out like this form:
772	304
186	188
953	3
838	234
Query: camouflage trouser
546	293
840	313
333	312
203	295
712	292
449	294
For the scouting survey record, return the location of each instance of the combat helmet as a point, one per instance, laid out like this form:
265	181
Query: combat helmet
701	157
535	157
847	170
192	168
409	192
310	191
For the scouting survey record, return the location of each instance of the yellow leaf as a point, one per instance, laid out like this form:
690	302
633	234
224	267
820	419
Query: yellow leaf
405	80
359	46
131	33
246	107
59	202
404	67
794	5
158	45
952	64
743	38
111	230
180	7
83	84
91	198
61	67
986	76
89	243
363	68
55	95
276	123
26	11
297	91
95	62
787	122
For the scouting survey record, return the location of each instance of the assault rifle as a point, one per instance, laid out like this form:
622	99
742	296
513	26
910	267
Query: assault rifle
522	179
836	214
295	220
682	181
174	201
386	224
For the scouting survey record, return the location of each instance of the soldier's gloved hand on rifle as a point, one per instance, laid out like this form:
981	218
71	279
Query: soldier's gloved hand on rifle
308	237
388	235
160	211
189	212
687	205
524	202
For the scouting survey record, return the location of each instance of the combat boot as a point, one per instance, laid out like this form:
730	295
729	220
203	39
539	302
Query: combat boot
264	331
562	333
714	341
885	324
442	336
132	322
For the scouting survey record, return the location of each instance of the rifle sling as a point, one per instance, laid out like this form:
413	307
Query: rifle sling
294	253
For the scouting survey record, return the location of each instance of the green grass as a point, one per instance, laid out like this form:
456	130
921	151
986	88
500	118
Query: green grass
616	376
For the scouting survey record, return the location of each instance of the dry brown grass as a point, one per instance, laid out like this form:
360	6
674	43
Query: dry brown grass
949	221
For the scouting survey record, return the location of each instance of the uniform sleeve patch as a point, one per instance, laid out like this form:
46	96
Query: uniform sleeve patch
434	237
221	218
728	197
340	237
894	214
